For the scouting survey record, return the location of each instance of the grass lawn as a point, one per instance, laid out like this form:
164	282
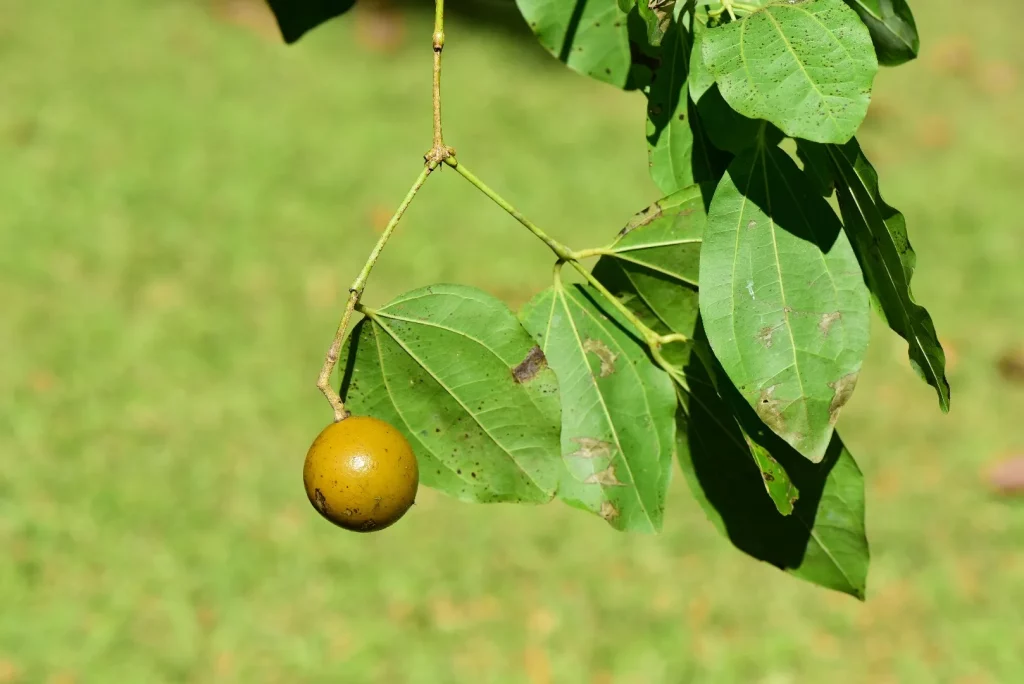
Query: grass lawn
182	206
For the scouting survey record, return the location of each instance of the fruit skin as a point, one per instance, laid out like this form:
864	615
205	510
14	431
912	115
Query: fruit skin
361	474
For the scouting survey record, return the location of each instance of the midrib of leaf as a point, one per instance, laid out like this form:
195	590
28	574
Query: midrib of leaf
505	450
782	288
735	264
911	321
410	430
652	245
814	230
657	269
560	291
789	47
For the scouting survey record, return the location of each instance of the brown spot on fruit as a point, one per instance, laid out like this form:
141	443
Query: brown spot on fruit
361	474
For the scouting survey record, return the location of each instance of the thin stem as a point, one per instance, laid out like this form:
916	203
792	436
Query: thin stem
673	337
324	380
560	250
592	252
438	151
650	337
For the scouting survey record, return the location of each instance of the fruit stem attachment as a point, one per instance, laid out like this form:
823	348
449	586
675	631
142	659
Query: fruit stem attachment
355	292
438	151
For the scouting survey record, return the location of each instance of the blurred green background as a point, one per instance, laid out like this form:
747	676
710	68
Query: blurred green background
183	202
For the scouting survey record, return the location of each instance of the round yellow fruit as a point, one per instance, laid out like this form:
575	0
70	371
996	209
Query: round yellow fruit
361	474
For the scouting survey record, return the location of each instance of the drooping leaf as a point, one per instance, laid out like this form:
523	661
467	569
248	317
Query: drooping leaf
590	36
296	17
782	298
678	150
823	541
892	27
653	268
617	408
452	368
879	236
699	78
804	65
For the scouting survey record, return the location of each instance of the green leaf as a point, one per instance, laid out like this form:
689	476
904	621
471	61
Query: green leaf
296	17
699	78
453	369
618	428
879	236
653	269
590	36
804	65
729	130
678	150
782	298
817	166
892	27
823	541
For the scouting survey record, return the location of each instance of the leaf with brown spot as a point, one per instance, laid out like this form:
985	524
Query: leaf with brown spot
452	368
843	388
533	364
605	478
617	427
592	448
604	355
800	264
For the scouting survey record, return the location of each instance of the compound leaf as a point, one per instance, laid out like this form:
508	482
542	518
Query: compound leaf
296	17
653	269
454	370
892	27
618	428
879	236
590	36
782	298
804	65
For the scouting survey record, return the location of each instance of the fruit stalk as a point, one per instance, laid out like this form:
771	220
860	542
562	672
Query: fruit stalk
355	292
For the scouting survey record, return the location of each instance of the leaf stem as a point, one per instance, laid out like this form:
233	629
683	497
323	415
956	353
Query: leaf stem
563	253
560	250
355	292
